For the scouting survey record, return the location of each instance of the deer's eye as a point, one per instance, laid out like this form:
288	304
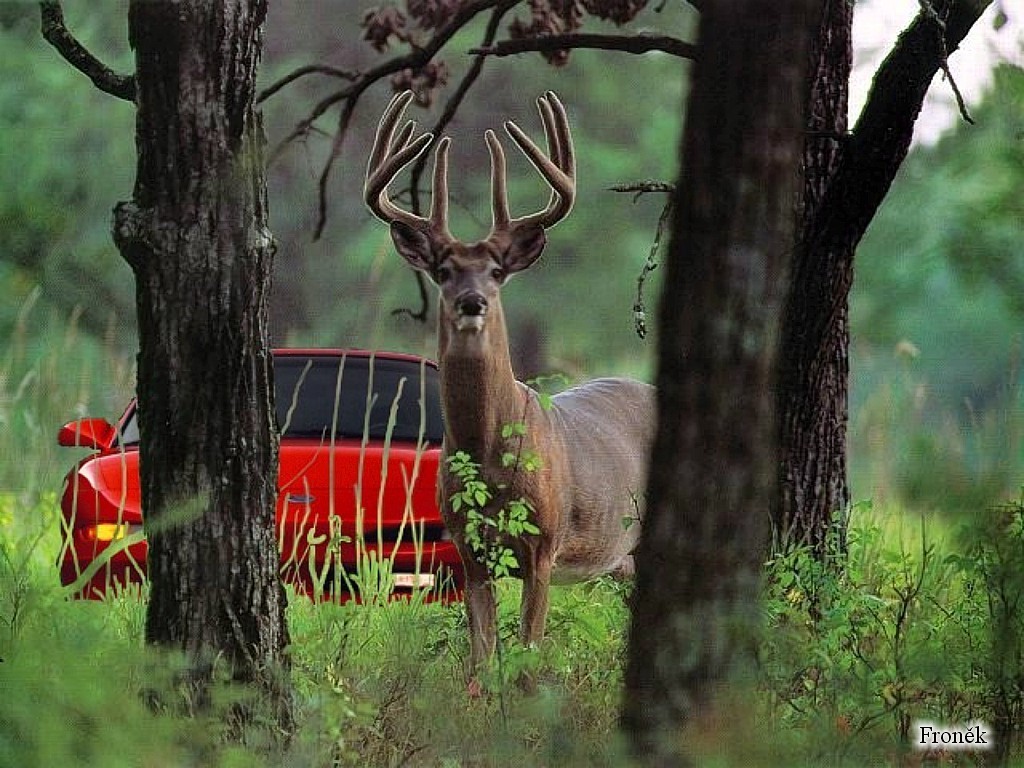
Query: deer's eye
498	274
442	274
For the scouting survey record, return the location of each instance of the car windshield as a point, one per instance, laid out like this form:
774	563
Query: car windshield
365	390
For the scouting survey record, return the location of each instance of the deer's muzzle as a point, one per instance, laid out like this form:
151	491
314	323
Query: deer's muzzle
470	310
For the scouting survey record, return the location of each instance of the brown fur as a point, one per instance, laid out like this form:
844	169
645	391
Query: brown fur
592	441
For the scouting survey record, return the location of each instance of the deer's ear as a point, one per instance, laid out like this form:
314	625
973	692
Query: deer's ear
413	245
525	248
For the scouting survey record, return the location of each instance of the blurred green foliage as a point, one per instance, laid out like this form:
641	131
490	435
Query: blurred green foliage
923	623
936	307
67	150
937	314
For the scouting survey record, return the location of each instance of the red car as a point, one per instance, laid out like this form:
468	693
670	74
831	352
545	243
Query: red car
348	497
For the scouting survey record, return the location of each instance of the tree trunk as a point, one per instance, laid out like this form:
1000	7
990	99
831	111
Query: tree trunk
196	236
846	182
704	539
812	396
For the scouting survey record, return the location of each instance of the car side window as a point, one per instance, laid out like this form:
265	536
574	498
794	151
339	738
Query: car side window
362	391
129	430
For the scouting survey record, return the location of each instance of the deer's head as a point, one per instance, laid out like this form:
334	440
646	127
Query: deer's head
470	275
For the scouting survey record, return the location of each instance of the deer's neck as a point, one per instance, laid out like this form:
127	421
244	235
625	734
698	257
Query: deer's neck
478	389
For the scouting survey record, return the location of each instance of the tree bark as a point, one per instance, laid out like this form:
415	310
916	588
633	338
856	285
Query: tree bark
847	179
812	396
196	236
704	539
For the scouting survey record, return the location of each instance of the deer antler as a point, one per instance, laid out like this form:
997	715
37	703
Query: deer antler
558	168
390	155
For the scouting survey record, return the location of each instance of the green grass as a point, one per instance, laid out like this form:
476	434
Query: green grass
926	622
847	664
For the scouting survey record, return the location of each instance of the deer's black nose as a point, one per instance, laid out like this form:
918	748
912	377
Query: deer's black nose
471	305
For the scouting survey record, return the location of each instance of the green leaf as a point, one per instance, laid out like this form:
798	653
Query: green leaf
513	429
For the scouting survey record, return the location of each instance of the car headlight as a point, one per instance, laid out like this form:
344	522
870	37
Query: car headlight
108	531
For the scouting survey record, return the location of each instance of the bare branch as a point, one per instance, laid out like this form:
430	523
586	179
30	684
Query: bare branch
636	44
415	59
339	138
456	99
54	31
928	10
309	69
878	145
641	188
422	313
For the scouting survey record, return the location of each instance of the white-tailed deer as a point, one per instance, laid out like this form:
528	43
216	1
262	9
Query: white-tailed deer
592	441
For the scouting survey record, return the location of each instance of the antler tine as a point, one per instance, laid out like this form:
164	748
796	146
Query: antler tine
558	167
500	218
384	135
390	154
439	189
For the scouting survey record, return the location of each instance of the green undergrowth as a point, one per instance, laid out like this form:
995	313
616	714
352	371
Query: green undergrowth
924	623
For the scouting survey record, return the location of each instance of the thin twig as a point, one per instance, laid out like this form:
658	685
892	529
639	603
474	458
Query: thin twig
308	69
424	309
344	121
639	189
56	33
456	99
635	44
929	11
415	59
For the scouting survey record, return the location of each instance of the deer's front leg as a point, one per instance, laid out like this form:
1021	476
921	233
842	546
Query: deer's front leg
482	618
534	609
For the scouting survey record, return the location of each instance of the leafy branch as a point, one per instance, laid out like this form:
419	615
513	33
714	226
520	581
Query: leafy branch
487	533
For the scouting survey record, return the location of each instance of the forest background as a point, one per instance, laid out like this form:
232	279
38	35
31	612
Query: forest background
936	307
